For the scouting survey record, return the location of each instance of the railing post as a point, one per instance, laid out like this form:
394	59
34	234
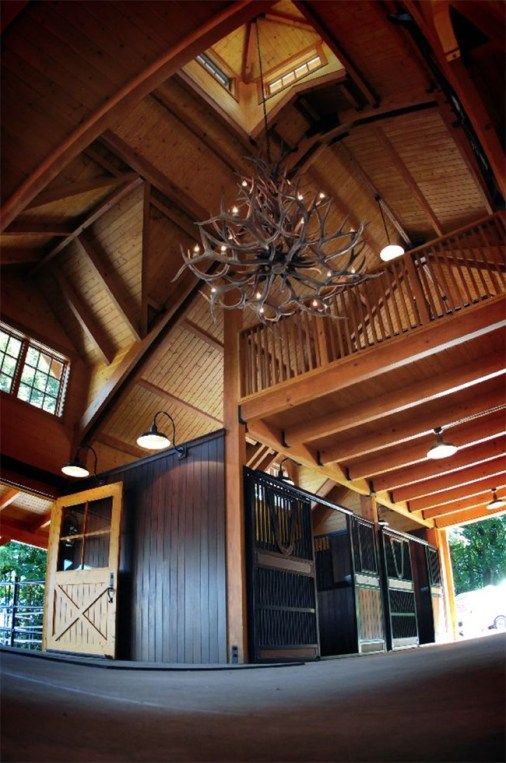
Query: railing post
417	289
15	597
322	340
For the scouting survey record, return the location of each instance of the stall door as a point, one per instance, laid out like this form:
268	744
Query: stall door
436	592
368	596
80	605
283	622
399	591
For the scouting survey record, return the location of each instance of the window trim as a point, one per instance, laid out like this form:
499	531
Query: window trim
217	72
27	342
290	67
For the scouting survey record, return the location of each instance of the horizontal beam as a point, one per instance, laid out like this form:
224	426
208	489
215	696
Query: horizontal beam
431	468
8	497
445	411
481	499
456	493
448	481
468	516
394	402
169	397
117	444
400	463
78	188
369	364
17	532
202	334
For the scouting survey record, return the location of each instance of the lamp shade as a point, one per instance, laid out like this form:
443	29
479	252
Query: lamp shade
495	503
441	449
153	439
75	469
391	251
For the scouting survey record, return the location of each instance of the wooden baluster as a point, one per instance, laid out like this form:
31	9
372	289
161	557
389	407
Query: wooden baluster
308	337
474	250
489	270
383	288
365	289
470	269
363	316
416	290
455	290
462	268
344	326
332	329
322	341
449	301
401	286
436	287
350	312
390	272
286	342
300	346
497	222
244	362
273	361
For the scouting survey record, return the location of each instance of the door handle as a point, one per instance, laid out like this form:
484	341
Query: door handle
110	590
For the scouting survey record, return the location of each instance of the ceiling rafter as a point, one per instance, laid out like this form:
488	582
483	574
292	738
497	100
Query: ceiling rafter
109	280
146	246
468	516
205	336
289	19
457	492
464	503
8	497
248	54
163	393
85	317
461	478
77	188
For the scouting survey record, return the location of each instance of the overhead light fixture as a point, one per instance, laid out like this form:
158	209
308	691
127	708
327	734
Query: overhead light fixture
76	467
390	251
283	474
441	449
153	439
496	502
273	251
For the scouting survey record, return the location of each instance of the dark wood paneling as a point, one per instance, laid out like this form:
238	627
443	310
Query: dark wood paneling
172	586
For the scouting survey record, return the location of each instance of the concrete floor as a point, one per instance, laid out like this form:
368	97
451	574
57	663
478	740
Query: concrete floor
438	703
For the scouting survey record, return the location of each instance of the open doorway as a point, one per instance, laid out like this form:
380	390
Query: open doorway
22	582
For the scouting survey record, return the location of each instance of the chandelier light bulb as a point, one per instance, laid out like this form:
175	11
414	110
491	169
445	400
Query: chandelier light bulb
235	210
223	248
244	183
315	303
258	295
329	274
495	503
261	310
196	248
213	289
300	196
391	251
441	449
321	196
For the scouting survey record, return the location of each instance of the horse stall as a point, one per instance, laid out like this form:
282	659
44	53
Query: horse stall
308	596
428	592
136	561
399	589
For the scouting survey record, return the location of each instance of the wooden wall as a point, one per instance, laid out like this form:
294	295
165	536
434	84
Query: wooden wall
172	585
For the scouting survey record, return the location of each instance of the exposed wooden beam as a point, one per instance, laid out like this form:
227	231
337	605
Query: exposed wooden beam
456	493
78	188
8	497
202	334
38	228
248	53
289	19
408	179
430	468
175	215
468	516
153	175
481	499
121	445
169	397
114	108
14	531
460	478
85	317
146	246
443	411
464	435
109	280
13	256
368	364
104	206
394	402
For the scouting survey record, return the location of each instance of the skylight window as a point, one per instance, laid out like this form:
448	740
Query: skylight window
281	81
32	372
215	71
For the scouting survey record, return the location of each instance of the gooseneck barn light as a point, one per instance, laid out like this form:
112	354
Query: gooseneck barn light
153	439
76	467
495	503
441	449
282	474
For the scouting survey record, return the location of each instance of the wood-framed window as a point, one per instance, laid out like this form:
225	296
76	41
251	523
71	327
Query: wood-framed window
216	71
32	372
290	74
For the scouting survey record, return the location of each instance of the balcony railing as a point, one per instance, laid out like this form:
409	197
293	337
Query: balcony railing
426	284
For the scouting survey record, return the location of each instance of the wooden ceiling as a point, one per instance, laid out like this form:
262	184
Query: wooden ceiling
112	152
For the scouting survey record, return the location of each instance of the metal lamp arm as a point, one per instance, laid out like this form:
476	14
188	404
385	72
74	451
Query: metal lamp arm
181	450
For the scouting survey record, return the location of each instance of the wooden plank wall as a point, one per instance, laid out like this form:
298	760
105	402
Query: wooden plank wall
172	579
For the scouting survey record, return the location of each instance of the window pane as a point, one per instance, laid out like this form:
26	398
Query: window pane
49	404
56	369
4	339
32	356
8	365
70	554
96	551
52	386
72	520
99	515
288	78
24	392
36	398
40	381
301	71
27	375
314	63
5	383
44	363
14	347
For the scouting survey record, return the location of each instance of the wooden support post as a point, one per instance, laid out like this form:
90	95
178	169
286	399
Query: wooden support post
369	508
448	584
235	458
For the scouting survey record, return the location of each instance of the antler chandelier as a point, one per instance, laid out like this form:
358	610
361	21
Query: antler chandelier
274	252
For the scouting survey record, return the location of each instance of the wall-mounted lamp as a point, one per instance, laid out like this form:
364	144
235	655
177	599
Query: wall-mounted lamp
153	439
390	251
496	502
76	466
441	449
282	474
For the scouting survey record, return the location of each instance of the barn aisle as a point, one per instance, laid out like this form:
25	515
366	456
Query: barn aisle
437	703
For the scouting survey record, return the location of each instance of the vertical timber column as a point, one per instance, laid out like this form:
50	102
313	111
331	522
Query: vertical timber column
235	458
440	539
369	508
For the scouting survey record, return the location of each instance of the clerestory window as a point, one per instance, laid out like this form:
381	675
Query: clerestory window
31	371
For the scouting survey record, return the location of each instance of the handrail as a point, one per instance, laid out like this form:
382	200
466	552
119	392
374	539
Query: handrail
428	283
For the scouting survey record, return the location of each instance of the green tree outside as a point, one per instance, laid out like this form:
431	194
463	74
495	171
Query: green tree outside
26	562
478	553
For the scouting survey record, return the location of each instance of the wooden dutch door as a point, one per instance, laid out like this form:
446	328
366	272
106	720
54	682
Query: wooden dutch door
82	570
